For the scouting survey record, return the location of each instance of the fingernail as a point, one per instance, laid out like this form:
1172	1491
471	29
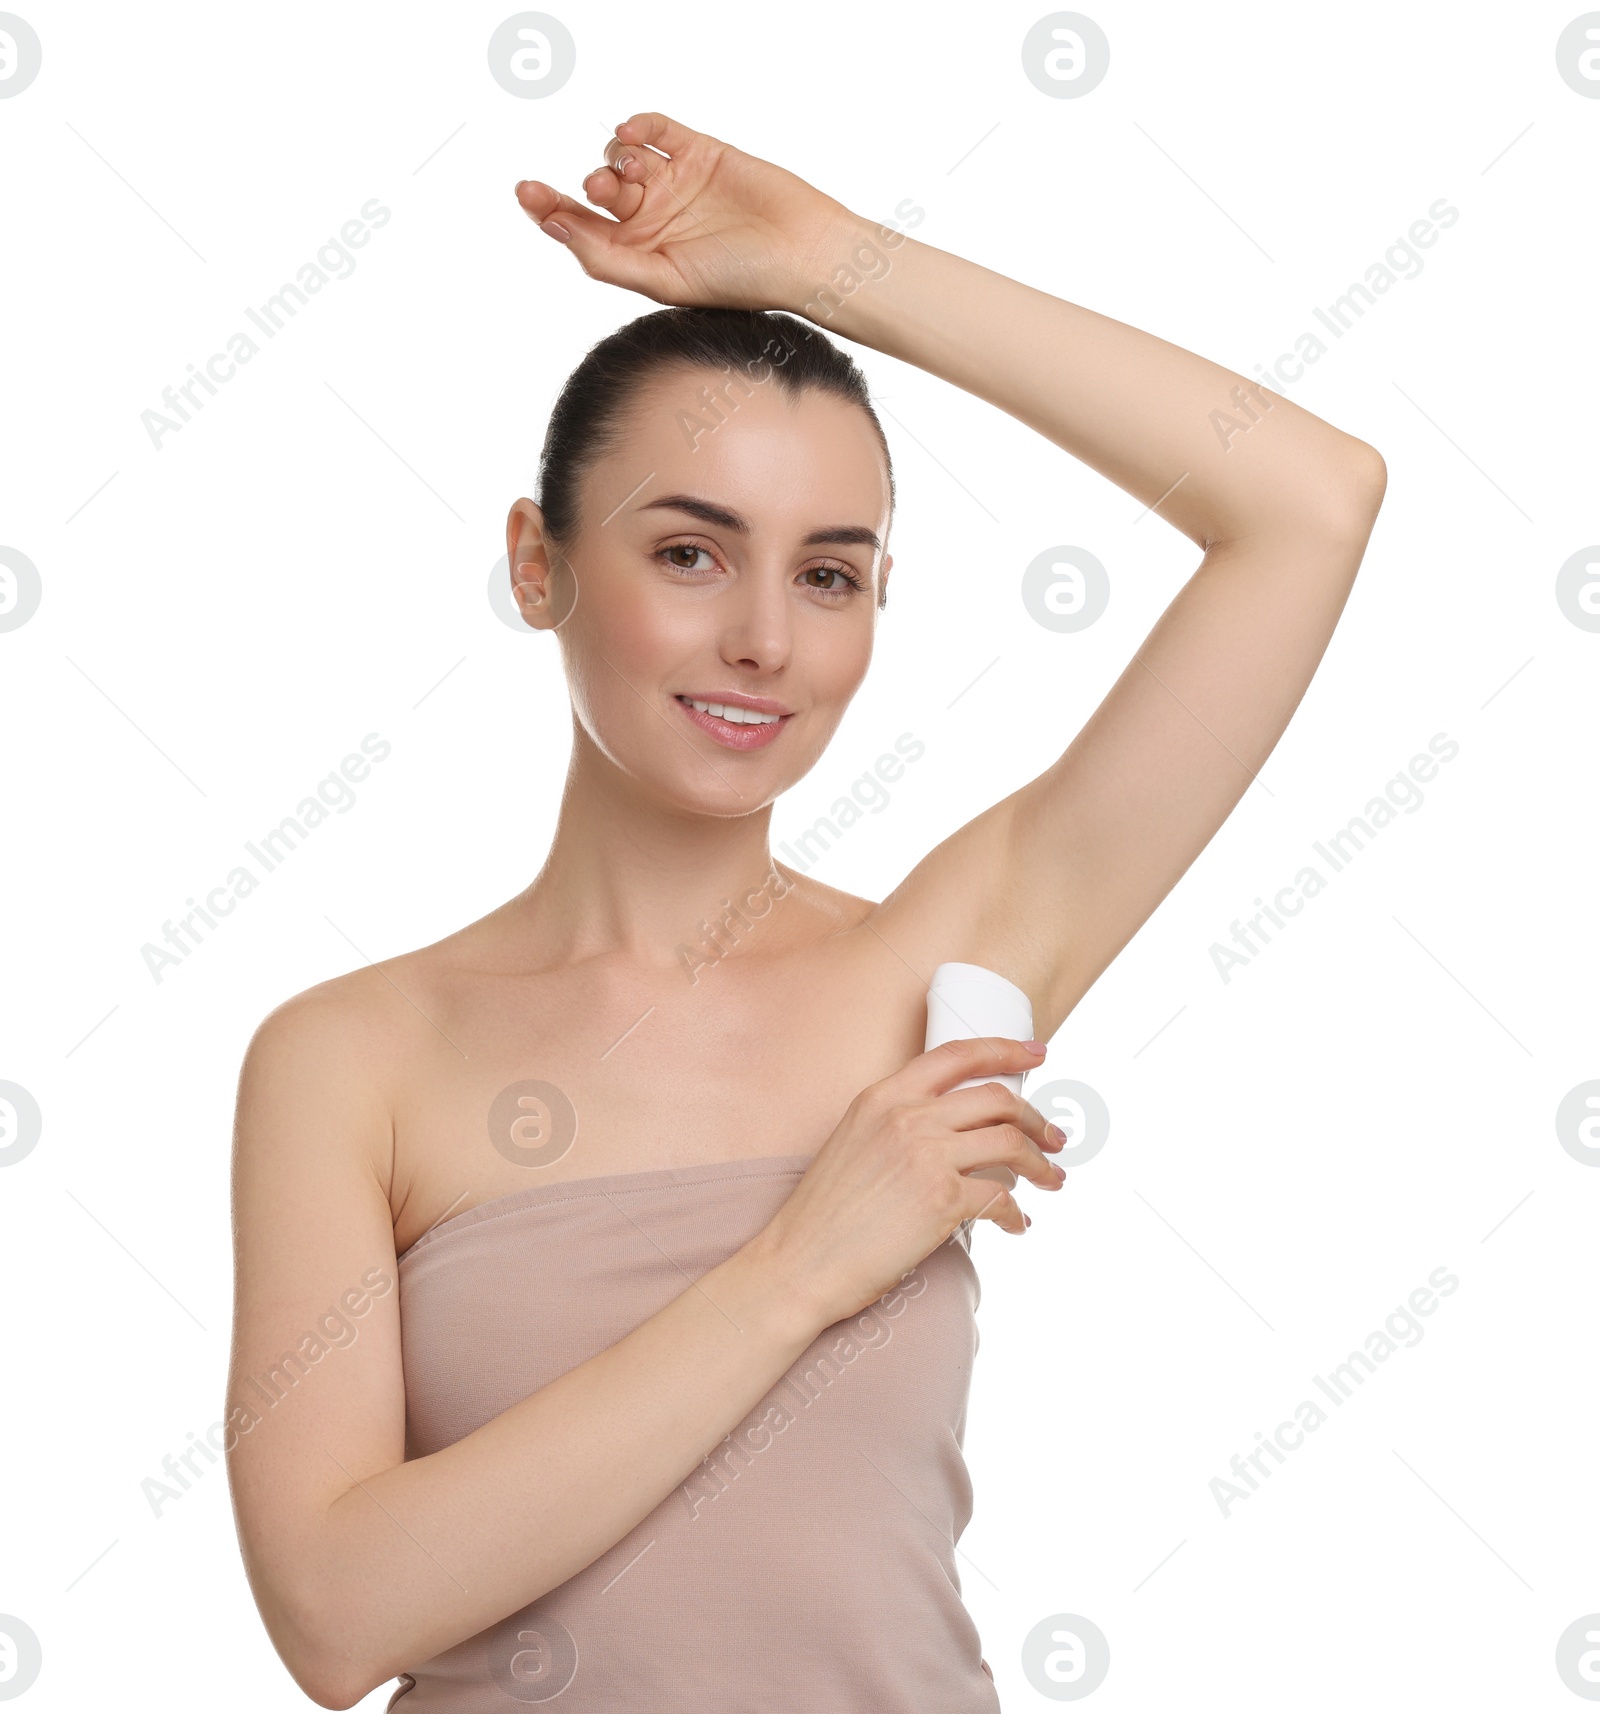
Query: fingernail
1027	1220
555	229
1035	1046
1055	1134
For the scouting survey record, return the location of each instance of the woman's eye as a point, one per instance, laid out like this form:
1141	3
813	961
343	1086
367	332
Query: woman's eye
688	548
838	579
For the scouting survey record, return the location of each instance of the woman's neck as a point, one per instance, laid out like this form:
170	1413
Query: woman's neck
630	875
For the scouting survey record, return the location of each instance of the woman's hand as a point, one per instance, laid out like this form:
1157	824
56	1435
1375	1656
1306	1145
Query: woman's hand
887	1188
691	220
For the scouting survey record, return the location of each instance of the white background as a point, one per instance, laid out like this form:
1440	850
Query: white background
1291	1153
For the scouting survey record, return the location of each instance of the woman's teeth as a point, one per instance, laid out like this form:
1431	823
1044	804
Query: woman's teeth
734	716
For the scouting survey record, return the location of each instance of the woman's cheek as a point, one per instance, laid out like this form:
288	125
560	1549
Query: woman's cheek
646	639
844	669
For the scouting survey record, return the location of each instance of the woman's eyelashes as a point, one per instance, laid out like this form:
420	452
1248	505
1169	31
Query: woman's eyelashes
844	579
690	548
840	571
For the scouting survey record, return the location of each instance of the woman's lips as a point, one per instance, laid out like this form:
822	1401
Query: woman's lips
731	736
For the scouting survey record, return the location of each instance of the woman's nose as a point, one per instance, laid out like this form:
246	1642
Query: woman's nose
756	623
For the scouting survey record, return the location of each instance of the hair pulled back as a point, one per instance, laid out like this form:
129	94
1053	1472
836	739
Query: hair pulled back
751	346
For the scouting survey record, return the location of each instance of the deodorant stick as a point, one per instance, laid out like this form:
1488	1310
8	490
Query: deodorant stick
967	1000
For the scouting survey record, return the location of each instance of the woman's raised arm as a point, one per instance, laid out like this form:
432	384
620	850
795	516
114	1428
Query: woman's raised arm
1049	884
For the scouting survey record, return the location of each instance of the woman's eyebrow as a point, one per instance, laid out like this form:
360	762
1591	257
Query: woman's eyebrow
856	534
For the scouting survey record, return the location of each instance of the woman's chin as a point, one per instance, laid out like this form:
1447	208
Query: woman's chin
696	777
738	797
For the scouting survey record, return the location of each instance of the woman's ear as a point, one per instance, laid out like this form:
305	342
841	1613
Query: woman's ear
883	580
529	560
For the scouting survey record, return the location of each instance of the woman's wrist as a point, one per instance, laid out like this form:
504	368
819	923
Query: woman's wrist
848	255
775	1290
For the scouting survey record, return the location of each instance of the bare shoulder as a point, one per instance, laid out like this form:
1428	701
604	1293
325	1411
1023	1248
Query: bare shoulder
330	1059
375	1010
354	1018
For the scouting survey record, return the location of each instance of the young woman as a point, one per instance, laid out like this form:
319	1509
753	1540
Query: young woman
604	1306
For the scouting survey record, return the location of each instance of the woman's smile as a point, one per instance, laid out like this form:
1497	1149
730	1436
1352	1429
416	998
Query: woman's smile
736	721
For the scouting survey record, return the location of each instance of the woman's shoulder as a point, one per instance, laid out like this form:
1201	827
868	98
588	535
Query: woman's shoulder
323	1068
374	1009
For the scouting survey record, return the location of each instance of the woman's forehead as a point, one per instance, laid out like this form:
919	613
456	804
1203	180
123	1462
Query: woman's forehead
771	456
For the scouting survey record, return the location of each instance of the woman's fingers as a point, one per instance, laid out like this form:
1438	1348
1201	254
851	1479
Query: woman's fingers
994	1104
1004	1147
657	131
542	202
635	163
990	1109
942	1068
986	1201
621	185
614	194
593	238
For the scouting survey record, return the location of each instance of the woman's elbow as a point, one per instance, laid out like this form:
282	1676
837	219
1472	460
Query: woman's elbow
1373	474
330	1681
1361	481
315	1652
328	1695
1336	504
329	1670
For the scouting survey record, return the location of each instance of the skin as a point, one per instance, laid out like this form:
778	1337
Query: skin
362	1102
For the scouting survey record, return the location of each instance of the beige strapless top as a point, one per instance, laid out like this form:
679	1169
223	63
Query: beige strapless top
808	1565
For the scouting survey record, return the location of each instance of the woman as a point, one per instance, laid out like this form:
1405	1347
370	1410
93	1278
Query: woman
667	1411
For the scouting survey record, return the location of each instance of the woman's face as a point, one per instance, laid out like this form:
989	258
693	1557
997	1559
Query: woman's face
730	553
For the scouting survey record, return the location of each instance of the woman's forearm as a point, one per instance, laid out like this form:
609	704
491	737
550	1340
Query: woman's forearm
1148	415
414	1559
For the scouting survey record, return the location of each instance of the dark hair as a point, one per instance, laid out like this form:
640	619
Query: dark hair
757	345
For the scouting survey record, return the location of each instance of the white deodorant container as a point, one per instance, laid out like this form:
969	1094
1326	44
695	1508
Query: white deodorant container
967	1000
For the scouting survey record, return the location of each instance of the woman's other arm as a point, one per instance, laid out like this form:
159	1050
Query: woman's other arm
360	1562
363	1564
